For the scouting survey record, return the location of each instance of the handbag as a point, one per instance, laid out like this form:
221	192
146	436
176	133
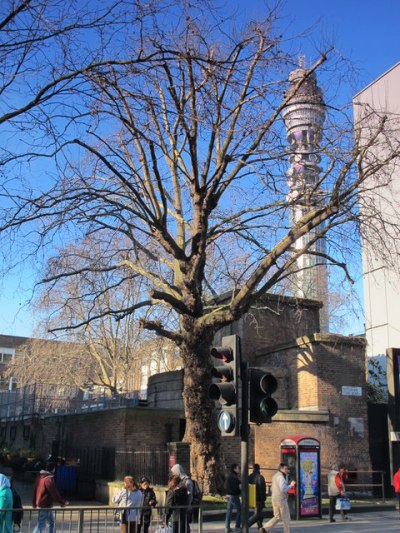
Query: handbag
343	504
164	529
118	515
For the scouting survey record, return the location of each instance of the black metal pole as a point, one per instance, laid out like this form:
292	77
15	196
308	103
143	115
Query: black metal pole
244	448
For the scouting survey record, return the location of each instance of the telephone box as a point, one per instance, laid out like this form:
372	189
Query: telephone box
302	455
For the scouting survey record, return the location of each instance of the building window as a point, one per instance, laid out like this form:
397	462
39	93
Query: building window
6	358
4	384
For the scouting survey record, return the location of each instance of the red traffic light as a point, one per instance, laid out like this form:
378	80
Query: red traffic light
223	352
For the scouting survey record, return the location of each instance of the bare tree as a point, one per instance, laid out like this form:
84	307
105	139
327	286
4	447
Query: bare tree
184	168
105	352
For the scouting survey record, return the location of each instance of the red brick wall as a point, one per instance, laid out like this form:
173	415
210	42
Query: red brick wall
318	370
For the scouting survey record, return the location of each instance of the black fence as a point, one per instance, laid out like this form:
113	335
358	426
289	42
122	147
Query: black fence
92	462
152	463
110	463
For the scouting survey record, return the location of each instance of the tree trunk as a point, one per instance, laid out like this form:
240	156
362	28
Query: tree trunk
201	422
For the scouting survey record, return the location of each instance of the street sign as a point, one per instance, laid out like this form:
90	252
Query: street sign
226	422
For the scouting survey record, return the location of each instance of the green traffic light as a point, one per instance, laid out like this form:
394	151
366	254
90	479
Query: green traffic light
268	407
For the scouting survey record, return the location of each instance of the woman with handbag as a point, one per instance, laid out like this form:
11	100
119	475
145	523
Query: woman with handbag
131	497
176	504
337	492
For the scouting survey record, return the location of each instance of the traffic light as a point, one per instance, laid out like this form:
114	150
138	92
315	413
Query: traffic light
261	385
225	387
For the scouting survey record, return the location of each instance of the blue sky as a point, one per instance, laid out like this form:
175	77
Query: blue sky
365	31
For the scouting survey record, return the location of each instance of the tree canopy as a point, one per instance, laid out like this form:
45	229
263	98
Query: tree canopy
169	158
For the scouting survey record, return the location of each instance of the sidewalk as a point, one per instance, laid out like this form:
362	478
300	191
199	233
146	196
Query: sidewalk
364	507
215	515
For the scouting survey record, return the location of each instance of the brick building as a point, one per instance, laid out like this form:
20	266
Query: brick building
10	347
321	394
322	383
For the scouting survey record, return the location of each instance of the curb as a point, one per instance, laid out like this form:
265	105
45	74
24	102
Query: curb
211	515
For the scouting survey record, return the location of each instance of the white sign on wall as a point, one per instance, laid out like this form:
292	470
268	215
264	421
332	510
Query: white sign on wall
351	391
395	436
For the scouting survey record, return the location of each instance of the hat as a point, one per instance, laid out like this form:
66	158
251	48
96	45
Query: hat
145	480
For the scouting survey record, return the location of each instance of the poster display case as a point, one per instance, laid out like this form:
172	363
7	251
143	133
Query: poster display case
302	455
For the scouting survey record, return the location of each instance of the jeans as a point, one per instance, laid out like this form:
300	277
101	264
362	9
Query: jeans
233	501
45	516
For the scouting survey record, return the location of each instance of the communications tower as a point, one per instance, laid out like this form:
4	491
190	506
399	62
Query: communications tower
304	118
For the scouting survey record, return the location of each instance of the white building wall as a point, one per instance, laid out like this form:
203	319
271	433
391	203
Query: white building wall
381	266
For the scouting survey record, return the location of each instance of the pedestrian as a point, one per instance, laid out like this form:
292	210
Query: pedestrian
336	489
178	470
257	479
6	502
333	491
396	485
149	501
233	489
279	489
129	496
176	505
45	494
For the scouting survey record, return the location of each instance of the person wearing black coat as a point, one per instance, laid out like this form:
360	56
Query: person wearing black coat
149	501
176	504
257	479
233	490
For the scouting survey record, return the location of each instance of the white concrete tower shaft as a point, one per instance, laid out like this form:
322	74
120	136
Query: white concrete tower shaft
304	118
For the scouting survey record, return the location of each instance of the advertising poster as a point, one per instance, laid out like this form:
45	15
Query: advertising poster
309	484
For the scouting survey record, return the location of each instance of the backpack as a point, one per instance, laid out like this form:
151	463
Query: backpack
180	497
197	493
18	513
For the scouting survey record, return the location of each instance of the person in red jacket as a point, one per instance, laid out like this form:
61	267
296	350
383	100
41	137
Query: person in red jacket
341	477
396	485
45	494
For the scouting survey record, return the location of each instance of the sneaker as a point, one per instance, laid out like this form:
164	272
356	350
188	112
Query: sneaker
332	520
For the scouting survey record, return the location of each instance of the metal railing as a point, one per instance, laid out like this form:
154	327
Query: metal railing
359	483
43	399
362	482
99	519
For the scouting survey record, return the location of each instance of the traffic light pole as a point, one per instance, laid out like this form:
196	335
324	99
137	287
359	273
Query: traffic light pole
244	446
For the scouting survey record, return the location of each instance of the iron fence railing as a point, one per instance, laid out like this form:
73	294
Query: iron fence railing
94	462
359	482
99	519
42	399
111	463
150	462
